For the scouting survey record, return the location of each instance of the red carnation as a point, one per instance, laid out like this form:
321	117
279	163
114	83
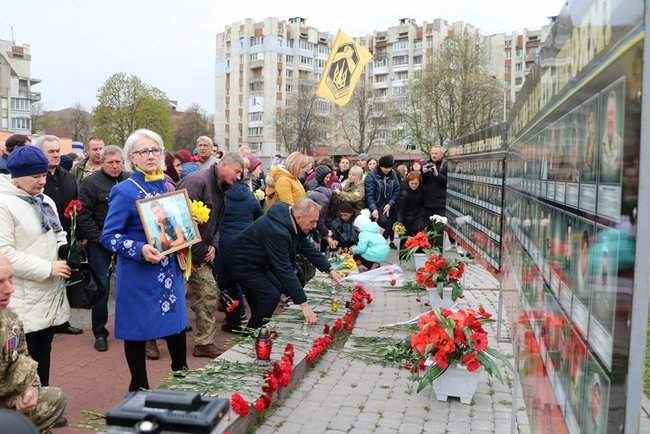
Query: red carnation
484	313
232	306
326	329
441	359
471	362
260	404
480	341
74	207
271	384
239	405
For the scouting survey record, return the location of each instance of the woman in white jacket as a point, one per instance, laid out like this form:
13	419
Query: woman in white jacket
30	236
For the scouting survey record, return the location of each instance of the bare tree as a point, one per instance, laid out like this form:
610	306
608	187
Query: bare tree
304	122
361	121
455	95
189	125
79	123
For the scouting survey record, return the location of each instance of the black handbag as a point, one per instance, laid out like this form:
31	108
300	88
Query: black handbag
81	288
304	270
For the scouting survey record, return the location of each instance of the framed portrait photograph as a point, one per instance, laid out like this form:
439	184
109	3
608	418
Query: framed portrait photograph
167	221
596	398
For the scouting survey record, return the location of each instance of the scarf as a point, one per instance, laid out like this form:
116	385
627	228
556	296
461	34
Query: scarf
49	217
158	175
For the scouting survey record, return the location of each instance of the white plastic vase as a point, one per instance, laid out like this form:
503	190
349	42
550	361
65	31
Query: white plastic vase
459	382
436	302
419	259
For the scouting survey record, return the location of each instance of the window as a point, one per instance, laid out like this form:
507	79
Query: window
320	63
305	45
257	40
23	88
255	117
289	60
401	44
21	104
381	62
417	60
519	52
288	73
401	75
241	43
255	56
399	90
381	92
306	60
288	88
519	67
381	78
400	60
518	81
21	124
255	131
290	43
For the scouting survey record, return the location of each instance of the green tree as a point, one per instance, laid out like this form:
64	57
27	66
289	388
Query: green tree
126	103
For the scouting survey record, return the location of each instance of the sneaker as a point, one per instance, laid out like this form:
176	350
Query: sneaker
209	351
101	344
392	245
152	351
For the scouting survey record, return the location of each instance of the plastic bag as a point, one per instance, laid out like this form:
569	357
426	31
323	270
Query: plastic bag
388	274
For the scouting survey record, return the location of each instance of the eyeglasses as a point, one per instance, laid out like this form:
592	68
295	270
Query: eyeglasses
147	152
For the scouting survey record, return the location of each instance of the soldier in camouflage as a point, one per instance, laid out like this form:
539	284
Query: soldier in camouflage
20	387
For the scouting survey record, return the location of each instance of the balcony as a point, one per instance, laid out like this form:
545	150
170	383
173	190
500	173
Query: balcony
258	63
34	96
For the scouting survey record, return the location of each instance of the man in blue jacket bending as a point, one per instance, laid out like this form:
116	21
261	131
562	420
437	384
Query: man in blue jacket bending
262	259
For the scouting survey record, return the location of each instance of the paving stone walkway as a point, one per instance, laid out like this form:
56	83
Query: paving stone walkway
342	394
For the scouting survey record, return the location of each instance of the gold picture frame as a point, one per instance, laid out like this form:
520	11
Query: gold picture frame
167	221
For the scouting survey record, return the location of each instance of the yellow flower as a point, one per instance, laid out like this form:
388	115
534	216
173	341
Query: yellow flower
259	194
200	212
399	229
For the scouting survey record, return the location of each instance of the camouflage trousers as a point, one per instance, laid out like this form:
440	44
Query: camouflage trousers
203	295
49	407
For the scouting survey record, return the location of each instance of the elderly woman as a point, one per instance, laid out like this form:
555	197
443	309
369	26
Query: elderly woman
152	305
288	187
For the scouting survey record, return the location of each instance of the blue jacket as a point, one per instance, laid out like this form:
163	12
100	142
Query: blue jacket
372	245
271	244
381	190
150	298
241	209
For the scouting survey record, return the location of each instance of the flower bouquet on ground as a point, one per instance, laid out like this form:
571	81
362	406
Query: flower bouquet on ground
449	337
436	230
418	243
439	272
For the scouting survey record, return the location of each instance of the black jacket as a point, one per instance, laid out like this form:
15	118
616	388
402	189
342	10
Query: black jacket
271	243
62	188
204	186
344	232
410	210
434	187
382	190
93	193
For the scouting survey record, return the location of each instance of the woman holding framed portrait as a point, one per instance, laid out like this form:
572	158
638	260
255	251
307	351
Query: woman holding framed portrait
151	305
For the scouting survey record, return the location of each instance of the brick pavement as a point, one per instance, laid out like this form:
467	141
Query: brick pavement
99	381
343	394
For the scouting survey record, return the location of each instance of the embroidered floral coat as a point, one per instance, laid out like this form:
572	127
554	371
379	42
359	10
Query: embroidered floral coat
150	298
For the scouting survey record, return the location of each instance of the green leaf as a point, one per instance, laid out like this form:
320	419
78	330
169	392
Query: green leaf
429	376
456	291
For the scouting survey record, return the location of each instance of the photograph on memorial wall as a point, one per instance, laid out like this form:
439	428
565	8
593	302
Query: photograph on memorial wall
574	367
604	284
581	244
588	141
612	121
596	398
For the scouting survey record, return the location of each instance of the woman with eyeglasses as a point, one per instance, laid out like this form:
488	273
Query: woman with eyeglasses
150	298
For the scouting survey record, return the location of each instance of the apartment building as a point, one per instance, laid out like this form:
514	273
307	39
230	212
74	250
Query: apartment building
16	94
259	65
521	53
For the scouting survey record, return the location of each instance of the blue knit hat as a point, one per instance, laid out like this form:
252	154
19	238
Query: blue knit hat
26	161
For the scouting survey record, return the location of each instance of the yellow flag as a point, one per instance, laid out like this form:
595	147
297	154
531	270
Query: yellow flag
342	70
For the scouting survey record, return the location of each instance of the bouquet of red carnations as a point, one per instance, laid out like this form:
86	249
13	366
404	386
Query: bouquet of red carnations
439	272
447	337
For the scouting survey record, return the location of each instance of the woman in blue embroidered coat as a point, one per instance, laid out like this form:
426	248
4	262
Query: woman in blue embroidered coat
150	298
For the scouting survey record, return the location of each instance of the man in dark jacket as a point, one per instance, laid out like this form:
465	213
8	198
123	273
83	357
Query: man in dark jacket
94	191
209	186
262	259
434	183
382	192
12	142
62	188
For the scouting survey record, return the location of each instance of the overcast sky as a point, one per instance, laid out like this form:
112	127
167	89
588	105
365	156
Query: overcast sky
77	44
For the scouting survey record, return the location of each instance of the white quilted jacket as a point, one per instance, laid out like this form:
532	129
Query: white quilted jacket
31	253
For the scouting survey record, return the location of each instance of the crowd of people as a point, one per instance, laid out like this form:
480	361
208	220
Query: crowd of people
265	235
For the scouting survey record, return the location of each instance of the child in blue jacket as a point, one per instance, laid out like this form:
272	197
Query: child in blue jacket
372	247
